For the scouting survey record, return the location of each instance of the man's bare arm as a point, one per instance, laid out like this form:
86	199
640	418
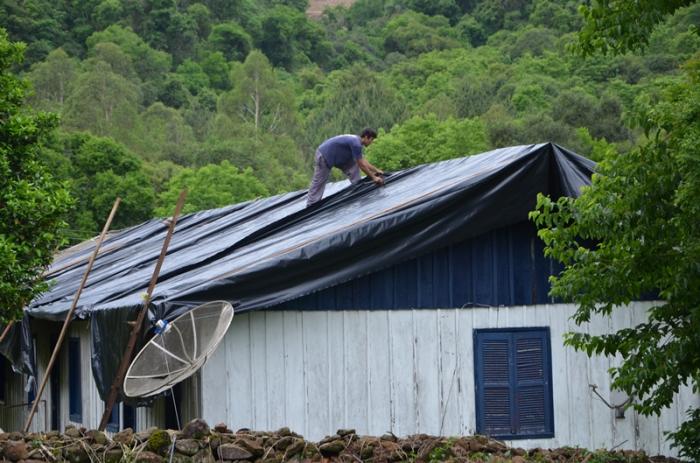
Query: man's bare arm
371	171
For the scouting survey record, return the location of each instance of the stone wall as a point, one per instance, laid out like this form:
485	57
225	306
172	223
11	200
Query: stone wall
198	443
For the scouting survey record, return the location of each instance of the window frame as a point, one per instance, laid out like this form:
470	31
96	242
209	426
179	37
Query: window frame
75	389
511	335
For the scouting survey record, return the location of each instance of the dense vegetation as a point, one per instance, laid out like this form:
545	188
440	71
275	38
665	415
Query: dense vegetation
158	94
230	97
635	231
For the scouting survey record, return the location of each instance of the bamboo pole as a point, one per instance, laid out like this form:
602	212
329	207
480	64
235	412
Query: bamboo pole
69	316
6	330
136	330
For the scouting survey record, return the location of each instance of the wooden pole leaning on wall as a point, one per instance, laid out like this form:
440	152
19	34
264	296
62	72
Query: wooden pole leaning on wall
6	330
69	316
136	330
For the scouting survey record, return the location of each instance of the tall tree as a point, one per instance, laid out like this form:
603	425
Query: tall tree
259	98
103	103
52	80
32	202
636	231
420	140
618	26
101	170
211	186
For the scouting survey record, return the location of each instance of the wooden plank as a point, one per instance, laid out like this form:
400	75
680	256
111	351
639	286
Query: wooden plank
294	393
426	371
240	384
355	347
563	417
465	374
602	417
624	434
378	373
69	315
403	403
580	394
449	367
336	370
315	326
649	436
216	376
258	368
276	374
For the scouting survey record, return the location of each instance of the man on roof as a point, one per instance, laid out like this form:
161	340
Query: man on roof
345	153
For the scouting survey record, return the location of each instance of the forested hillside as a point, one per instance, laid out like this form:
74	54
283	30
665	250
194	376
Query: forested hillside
231	97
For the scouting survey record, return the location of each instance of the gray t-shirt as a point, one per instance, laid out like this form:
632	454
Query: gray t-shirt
341	150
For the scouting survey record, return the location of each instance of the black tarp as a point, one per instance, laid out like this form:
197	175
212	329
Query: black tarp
261	253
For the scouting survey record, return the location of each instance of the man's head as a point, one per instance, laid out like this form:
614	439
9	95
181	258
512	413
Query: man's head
367	136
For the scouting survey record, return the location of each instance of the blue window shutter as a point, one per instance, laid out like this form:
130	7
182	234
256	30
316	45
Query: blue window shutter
75	393
532	389
495	386
513	383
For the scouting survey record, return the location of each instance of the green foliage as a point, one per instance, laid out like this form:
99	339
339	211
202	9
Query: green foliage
622	25
414	33
289	39
52	81
636	231
351	100
102	169
103	103
687	437
421	140
210	186
231	40
259	98
32	202
150	64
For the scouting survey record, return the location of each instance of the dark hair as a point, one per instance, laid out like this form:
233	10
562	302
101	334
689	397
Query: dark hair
369	133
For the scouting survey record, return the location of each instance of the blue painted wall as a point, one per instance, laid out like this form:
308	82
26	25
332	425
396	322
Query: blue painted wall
502	267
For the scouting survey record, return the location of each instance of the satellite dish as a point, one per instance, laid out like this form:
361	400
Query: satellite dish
178	349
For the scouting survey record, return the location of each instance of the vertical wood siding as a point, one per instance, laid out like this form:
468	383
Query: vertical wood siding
410	371
503	267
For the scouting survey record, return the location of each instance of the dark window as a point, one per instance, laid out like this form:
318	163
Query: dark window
3	366
129	417
513	383
31	393
75	393
113	423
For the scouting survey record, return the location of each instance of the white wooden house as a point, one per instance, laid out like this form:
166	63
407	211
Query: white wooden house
420	307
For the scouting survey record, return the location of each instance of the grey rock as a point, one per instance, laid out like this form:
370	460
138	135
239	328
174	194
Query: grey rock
203	456
113	455
97	437
345	432
142	436
125	437
72	432
148	457
254	446
16	450
75	453
222	428
328	439
283	443
332	448
196	429
187	447
233	452
296	447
